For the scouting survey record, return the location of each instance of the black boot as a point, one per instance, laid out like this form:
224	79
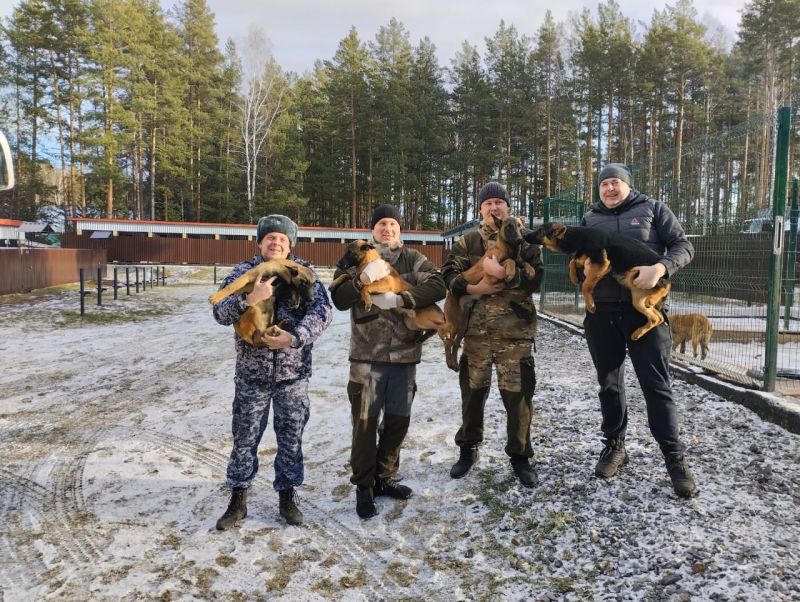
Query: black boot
365	503
237	509
612	457
524	471
392	488
682	480
288	507
466	458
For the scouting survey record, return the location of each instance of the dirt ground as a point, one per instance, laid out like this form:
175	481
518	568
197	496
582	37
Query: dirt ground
115	432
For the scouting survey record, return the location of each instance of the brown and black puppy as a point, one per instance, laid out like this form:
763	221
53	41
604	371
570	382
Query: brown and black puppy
358	254
695	327
607	253
505	249
291	279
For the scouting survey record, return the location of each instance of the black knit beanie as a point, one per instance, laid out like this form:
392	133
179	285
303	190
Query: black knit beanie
492	190
277	223
616	170
382	212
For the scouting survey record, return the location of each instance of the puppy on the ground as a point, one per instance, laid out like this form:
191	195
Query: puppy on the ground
289	278
695	327
359	253
607	253
505	249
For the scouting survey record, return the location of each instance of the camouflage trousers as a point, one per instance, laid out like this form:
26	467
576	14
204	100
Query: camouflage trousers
374	389
250	414
516	380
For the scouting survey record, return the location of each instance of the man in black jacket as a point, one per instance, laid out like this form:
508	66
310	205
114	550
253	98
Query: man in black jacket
624	210
383	359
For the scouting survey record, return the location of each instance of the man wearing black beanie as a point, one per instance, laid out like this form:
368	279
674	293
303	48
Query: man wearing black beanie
384	355
623	210
499	333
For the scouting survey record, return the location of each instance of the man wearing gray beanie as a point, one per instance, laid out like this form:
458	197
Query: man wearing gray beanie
275	373
627	212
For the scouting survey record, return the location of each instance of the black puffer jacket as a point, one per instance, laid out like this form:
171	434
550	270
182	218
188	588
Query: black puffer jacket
650	221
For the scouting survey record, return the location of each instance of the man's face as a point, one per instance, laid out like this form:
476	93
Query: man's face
613	191
493	208
386	231
274	245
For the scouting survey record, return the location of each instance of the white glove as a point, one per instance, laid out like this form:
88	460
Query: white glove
385	300
374	270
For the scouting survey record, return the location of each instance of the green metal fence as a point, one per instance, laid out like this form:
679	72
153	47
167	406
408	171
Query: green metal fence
744	277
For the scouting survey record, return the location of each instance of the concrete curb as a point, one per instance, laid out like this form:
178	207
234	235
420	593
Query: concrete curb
781	410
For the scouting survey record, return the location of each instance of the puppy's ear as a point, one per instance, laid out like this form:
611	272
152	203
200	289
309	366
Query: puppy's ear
559	230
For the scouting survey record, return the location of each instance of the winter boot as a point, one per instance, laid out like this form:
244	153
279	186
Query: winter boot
392	488
237	509
524	471
467	457
612	457
365	503
682	480
288	507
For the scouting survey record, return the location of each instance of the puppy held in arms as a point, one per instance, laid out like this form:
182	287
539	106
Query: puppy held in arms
506	250
290	278
606	253
359	254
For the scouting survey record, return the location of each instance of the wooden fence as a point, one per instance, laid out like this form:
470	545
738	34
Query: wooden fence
207	251
23	269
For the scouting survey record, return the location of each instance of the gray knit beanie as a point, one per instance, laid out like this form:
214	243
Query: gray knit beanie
277	223
492	190
616	170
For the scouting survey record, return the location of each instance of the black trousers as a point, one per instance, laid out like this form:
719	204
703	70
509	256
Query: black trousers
608	337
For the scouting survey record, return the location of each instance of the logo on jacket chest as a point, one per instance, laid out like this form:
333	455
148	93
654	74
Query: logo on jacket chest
635	222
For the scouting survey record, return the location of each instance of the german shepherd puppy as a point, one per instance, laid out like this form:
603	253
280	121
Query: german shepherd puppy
506	250
292	279
358	254
695	327
607	253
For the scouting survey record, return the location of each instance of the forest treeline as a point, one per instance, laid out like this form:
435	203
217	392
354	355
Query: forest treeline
116	108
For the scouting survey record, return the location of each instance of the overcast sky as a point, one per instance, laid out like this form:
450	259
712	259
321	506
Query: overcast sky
302	31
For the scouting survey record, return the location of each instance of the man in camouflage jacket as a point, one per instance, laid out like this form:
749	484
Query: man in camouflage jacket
277	373
500	331
383	359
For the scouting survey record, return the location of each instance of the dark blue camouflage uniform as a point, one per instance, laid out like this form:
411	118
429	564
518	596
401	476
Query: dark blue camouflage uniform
280	377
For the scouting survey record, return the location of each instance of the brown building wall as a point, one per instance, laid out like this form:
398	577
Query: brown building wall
23	270
207	251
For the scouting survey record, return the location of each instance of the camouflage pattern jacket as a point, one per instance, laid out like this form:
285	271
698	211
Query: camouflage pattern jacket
306	322
509	314
378	336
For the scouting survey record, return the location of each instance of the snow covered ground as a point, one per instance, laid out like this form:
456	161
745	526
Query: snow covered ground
114	435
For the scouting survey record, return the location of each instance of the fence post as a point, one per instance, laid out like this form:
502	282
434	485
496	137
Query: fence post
127	280
115	284
137	278
83	295
163	275
776	260
215	273
99	287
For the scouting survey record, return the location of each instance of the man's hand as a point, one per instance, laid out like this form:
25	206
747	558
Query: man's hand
484	287
374	270
492	267
281	341
261	290
386	300
649	275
